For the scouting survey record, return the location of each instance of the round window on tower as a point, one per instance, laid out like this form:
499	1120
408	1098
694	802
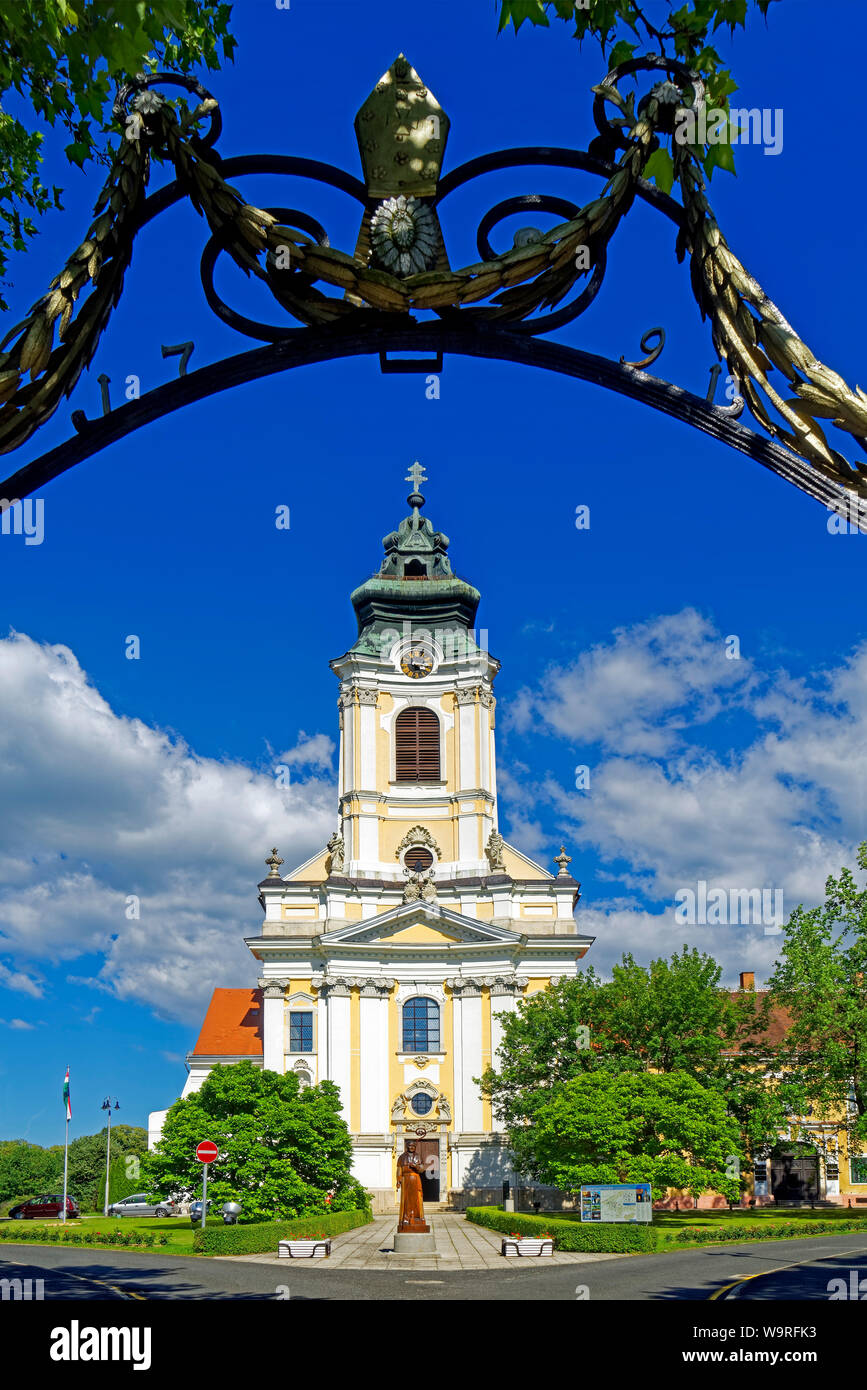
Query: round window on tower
421	1104
418	858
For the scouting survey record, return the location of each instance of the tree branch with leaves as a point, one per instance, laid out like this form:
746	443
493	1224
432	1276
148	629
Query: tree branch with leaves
62	61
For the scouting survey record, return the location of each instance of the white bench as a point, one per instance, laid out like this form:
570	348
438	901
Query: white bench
304	1249
527	1245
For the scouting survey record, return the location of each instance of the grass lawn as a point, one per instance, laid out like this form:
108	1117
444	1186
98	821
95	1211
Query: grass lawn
178	1230
667	1225
675	1220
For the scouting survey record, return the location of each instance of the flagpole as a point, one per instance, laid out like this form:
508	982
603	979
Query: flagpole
65	1158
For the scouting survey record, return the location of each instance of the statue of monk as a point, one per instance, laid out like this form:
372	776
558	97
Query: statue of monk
409	1171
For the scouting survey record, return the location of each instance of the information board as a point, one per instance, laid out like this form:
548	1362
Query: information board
617	1201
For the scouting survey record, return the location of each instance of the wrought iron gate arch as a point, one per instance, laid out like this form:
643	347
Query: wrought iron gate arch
309	347
497	309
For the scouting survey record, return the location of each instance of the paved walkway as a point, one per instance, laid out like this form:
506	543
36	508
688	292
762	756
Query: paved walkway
460	1245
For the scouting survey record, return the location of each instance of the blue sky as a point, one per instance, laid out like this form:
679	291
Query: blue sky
154	777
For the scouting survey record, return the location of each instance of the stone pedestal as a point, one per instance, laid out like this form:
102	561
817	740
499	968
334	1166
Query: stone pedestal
414	1243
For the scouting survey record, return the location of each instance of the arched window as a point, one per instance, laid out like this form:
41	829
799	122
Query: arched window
421	1025
416	746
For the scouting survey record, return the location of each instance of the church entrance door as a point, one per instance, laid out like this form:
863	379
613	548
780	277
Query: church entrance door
428	1151
795	1179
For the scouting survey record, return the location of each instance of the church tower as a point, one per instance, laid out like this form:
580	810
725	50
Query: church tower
387	960
417	769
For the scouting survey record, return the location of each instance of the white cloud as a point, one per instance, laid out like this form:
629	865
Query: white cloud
639	692
17	1023
311	750
98	808
18	980
775	799
625	926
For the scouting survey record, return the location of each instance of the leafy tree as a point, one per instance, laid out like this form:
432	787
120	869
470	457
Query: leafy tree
662	1128
282	1149
820	979
622	28
671	1016
124	1177
87	1161
63	60
27	1169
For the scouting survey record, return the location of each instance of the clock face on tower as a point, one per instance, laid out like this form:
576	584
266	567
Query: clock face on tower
417	661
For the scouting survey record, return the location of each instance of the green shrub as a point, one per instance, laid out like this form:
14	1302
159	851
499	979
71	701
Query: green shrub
263	1237
17	1234
567	1235
776	1230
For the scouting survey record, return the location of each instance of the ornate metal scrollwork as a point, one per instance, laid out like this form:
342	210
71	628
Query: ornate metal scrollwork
652	352
367	301
252	328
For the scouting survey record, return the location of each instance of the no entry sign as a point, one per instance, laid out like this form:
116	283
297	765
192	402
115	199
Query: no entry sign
207	1151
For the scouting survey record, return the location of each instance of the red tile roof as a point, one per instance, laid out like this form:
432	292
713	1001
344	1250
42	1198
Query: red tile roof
779	1020
233	1025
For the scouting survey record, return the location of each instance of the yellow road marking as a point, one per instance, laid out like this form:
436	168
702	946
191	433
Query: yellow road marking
718	1293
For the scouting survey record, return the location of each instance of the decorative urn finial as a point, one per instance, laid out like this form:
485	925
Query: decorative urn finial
564	860
275	861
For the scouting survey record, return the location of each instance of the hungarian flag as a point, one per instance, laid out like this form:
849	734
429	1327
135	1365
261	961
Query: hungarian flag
66	1095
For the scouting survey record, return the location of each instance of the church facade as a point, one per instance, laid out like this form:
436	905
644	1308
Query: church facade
385	962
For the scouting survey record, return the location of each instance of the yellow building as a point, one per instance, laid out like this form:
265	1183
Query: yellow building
385	960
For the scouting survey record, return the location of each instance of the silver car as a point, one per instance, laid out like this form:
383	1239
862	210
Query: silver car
140	1204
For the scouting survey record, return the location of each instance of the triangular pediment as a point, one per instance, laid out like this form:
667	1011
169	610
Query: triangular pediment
422	934
420	924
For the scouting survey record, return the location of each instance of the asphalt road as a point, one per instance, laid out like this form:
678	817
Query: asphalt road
683	1275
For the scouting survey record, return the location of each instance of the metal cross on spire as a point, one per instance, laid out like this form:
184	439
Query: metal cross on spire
416	476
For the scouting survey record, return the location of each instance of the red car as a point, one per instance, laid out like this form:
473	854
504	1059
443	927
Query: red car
47	1206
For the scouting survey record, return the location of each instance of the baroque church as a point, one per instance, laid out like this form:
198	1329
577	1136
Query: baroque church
385	962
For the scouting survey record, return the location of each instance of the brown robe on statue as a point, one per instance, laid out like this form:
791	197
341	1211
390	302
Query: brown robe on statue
409	1171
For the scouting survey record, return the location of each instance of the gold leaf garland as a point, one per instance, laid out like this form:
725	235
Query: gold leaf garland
748	330
752	337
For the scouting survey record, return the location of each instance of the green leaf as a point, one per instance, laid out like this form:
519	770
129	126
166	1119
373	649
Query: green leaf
719	157
515	12
621	53
659	169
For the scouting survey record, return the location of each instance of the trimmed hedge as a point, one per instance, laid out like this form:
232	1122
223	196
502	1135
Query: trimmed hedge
15	1232
766	1230
567	1235
259	1238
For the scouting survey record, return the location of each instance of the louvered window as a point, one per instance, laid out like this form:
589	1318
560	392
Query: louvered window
417	746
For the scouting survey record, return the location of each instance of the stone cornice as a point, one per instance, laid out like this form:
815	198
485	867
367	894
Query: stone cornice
370	986
524	946
470	695
469	986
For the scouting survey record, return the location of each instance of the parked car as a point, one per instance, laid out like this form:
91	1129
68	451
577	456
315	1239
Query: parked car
140	1204
49	1205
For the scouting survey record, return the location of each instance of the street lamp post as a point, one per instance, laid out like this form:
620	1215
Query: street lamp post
106	1105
